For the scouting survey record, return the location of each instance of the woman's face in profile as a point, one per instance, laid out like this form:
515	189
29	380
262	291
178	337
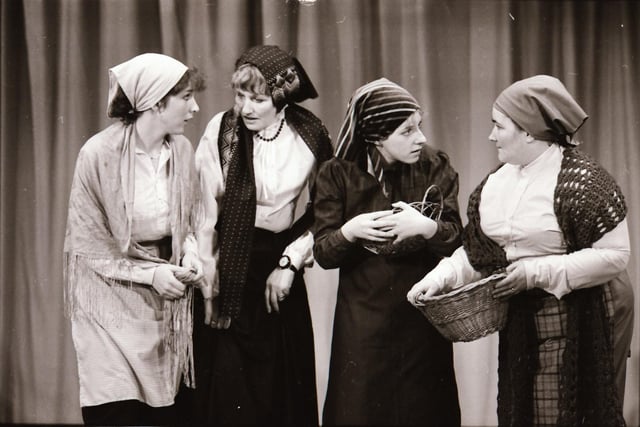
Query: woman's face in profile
510	140
257	111
405	143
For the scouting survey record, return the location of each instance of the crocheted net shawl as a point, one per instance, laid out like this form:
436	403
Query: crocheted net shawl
588	203
98	234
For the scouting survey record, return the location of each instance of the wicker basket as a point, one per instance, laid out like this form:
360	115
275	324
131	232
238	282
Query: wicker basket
467	313
427	208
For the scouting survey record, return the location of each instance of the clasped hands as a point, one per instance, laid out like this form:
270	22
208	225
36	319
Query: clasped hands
389	226
170	281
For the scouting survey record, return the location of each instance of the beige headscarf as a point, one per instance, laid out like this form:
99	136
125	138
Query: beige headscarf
145	79
543	107
98	235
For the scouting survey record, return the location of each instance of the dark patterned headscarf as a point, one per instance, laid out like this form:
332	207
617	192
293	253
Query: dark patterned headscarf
542	106
286	78
375	111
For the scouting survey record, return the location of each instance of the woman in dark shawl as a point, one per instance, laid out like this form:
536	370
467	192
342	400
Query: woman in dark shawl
253	341
556	222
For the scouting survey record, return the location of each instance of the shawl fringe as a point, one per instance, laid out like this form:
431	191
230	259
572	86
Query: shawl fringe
90	293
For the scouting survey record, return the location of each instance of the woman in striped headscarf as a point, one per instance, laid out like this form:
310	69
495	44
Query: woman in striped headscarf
389	366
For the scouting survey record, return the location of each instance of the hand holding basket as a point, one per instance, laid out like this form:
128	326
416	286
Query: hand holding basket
425	207
467	313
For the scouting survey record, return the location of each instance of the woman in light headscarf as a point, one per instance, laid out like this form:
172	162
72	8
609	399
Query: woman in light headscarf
130	250
254	353
556	222
389	366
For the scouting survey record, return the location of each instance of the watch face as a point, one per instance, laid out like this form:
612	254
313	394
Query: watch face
284	262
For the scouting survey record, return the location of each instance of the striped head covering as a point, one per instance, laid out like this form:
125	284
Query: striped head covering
542	106
374	112
287	80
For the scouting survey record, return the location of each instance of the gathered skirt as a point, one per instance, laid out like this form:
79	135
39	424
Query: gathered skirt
260	371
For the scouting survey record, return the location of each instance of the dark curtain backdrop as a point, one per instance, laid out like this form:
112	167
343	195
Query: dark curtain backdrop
455	56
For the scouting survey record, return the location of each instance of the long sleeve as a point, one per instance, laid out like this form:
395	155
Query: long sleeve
190	245
88	218
301	251
560	274
517	211
331	248
448	236
454	271
212	187
126	270
436	176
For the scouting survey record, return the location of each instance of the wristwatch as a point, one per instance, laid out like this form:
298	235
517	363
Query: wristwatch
285	262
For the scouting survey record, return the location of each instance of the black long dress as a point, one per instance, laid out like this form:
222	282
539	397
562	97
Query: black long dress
389	366
261	370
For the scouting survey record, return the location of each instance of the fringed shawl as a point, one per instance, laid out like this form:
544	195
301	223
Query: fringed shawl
98	234
588	204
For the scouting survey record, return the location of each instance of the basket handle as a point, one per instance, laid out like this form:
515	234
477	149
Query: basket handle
441	203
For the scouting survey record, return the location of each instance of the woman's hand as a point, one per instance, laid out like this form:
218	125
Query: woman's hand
212	315
424	289
409	222
194	269
372	226
165	282
515	282
278	286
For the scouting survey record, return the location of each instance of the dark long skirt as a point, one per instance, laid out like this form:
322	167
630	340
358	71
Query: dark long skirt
261	370
389	365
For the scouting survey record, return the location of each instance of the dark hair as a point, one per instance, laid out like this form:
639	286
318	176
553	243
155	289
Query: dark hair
193	77
122	109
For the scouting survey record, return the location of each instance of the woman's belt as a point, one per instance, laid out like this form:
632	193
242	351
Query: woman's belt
160	248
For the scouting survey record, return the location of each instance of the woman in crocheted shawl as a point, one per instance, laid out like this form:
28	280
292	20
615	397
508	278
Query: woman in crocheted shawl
555	221
130	251
389	366
254	352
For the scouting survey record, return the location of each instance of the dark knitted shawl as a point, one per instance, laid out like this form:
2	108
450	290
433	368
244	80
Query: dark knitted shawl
588	204
237	217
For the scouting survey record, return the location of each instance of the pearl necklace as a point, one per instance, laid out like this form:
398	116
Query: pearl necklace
274	136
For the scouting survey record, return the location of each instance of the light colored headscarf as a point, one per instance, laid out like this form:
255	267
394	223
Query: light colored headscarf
98	236
145	79
542	106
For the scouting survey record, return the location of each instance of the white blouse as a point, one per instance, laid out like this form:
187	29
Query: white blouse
151	197
283	169
151	216
516	211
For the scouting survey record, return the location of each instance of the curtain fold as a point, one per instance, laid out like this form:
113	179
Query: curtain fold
455	56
